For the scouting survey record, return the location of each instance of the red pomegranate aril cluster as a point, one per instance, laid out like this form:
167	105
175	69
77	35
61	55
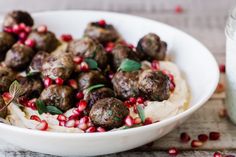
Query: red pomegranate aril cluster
32	104
73	83
35	117
178	9
202	137
196	143
42	29
184	137
59	81
30	42
214	136
47	81
66	37
80	95
155	65
43	125
173	151
102	23
132	100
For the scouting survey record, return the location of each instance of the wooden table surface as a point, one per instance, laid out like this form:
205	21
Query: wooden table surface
203	19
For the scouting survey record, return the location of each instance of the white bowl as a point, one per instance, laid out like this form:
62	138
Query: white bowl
195	61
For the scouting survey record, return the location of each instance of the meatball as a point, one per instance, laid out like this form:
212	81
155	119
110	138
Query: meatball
19	57
3	113
93	77
7	76
89	48
59	96
121	52
97	94
6	42
46	41
102	33
108	113
32	85
17	17
154	85
125	84
151	47
37	62
55	66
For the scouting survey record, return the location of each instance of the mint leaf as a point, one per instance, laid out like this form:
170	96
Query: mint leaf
41	107
141	113
129	65
53	109
91	63
89	89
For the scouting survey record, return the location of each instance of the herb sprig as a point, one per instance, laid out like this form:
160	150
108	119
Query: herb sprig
128	65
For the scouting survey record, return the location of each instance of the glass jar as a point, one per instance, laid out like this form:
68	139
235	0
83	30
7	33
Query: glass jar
230	32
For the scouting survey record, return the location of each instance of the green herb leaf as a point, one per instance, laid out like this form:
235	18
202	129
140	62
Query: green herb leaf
129	65
91	63
141	113
53	109
16	90
41	106
89	89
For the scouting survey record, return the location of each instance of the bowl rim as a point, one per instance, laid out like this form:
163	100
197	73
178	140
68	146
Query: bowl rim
162	123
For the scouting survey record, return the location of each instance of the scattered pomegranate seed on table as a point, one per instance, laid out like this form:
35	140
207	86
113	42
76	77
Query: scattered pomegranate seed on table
73	83
222	68
214	136
178	9
43	125
173	151
184	137
35	117
129	121
42	29
196	143
217	154
59	81
102	23
30	42
66	37
202	137
47	81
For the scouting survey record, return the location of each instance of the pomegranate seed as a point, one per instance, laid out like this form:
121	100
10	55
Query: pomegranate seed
76	112
42	29
171	77
66	37
129	121
43	125
16	29
47	82
217	154
32	105
172	86
140	100
196	143
62	123
6	96
184	137
84	67
100	129
148	121
23	101
70	123
202	137
22	26
135	109
132	100
109	47
59	81
222	113
35	117
111	75
30	42
76	123
214	136
83	126
102	23
23	36
61	117
128	104
91	129
28	30
80	95
155	65
74	117
131	46
73	83
222	68
220	88
78	59
81	105
137	120
84	119
8	29
178	9
173	151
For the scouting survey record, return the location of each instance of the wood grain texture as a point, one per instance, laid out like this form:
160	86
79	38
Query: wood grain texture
205	20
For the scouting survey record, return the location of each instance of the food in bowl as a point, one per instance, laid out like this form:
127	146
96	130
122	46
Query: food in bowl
96	83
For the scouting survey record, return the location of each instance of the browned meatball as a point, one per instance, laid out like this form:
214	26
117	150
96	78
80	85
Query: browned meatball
89	48
3	113
46	41
108	113
32	85
93	77
37	62
121	52
154	85
6	42
59	96
17	17
102	33
125	84
19	57
97	94
55	66
7	76
151	47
